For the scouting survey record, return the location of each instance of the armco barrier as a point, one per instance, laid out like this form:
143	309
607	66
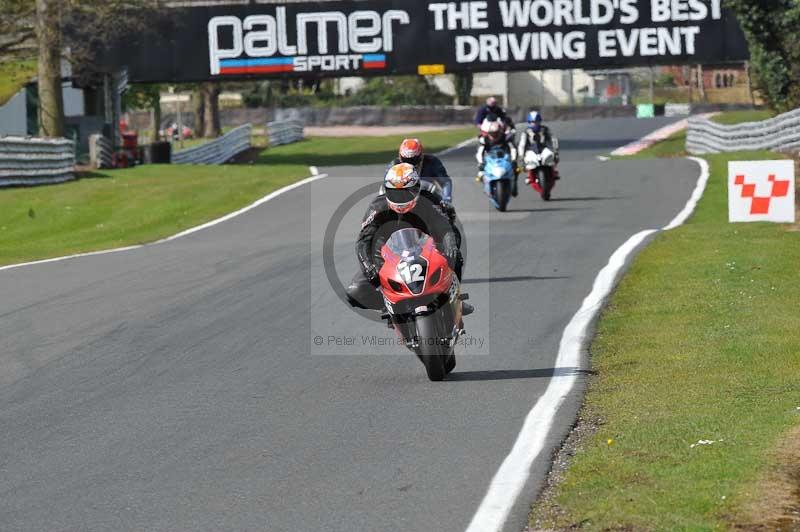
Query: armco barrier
779	133
285	132
36	161
217	151
677	109
100	151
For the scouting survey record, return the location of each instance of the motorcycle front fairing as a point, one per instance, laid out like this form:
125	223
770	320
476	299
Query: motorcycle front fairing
415	276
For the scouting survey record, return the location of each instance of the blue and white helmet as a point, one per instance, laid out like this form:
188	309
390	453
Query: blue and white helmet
534	117
535	121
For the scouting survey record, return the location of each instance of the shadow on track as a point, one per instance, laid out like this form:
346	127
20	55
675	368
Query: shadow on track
548	209
591	198
513	279
515	374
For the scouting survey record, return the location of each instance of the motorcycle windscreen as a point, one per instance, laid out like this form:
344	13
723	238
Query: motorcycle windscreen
408	245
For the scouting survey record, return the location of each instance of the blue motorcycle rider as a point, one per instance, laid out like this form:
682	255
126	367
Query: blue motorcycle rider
496	134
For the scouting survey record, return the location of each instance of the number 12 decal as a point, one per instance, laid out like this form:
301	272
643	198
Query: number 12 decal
411	273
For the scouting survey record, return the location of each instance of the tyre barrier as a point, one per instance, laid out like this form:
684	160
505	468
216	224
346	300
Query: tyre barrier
217	151
28	161
285	132
779	133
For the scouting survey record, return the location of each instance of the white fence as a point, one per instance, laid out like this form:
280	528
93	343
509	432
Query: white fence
779	133
36	161
285	132
217	151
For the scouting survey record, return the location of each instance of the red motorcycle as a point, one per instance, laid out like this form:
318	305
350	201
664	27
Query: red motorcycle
423	299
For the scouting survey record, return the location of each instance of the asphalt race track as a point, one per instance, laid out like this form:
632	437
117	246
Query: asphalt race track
180	386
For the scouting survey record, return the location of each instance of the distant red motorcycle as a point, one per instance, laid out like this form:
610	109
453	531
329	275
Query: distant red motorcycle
541	167
423	299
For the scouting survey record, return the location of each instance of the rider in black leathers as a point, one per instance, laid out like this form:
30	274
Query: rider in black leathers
380	221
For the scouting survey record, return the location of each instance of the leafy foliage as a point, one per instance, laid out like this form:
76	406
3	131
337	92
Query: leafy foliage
771	30
399	90
16	28
383	91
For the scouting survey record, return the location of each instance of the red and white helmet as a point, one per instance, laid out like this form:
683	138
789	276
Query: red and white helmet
495	131
402	187
411	152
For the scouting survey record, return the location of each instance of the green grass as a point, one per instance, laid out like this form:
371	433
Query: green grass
14	75
143	204
335	151
672	146
739	117
700	341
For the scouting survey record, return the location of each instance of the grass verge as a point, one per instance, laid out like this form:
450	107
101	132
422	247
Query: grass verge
699	342
13	77
730	118
672	146
133	206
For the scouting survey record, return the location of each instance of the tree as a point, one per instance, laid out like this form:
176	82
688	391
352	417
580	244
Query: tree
212	127
199	106
85	27
771	30
463	86
146	97
48	35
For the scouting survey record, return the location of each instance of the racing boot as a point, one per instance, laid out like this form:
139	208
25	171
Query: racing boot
514	187
466	308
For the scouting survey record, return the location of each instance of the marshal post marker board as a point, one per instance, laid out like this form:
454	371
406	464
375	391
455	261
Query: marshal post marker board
332	39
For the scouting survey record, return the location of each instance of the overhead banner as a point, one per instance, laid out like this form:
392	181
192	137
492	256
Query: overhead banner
313	39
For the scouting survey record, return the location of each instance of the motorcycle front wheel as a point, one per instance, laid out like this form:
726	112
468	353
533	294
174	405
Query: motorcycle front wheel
545	182
432	350
502	193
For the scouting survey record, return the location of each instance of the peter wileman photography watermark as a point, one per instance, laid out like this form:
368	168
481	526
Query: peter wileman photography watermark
388	341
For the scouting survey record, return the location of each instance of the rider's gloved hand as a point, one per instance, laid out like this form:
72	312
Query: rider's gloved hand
450	249
371	273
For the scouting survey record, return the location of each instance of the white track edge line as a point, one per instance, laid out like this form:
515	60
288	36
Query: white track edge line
314	176
691	205
250	207
457	147
206	225
514	472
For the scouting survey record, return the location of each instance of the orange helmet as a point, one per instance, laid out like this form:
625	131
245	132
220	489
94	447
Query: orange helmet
402	187
411	152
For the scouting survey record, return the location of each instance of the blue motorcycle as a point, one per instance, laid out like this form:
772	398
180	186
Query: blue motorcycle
497	177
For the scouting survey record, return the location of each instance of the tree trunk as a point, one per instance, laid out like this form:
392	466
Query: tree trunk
463	85
701	84
199	107
156	120
211	92
51	102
